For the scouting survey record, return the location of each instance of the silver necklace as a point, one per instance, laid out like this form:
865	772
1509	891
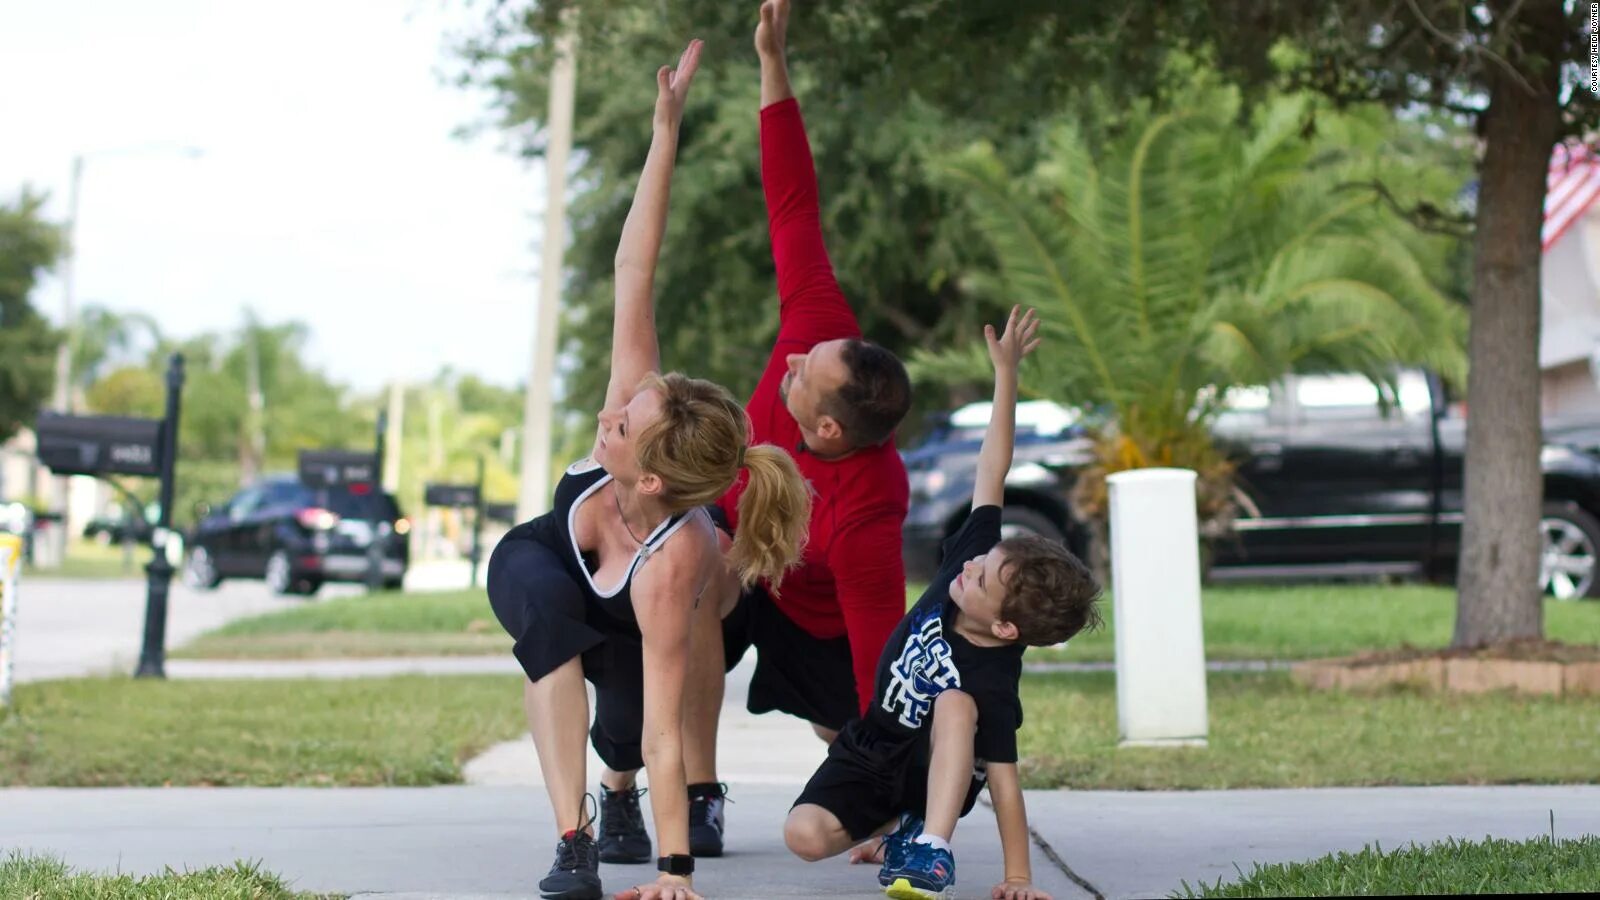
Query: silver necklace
622	515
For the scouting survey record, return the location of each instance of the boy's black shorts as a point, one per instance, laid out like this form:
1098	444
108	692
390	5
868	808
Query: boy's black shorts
869	779
796	672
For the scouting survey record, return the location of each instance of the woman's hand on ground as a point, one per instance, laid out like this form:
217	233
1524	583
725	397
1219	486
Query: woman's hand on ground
667	887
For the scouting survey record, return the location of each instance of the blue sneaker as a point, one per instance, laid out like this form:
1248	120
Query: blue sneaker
928	873
894	846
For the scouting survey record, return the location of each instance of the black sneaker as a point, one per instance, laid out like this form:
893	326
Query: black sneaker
576	872
622	835
706	818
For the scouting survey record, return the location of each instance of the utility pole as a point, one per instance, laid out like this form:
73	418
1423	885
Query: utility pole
69	324
397	413
256	454
535	494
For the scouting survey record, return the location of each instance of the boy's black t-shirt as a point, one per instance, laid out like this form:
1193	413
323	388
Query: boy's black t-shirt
925	656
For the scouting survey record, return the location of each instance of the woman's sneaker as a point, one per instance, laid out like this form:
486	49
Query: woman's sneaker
927	873
576	872
894	847
706	802
622	835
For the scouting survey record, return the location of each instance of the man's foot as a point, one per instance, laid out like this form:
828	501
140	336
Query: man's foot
622	835
576	872
926	873
706	818
894	847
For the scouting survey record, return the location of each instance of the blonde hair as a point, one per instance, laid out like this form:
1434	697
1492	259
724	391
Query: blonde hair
697	448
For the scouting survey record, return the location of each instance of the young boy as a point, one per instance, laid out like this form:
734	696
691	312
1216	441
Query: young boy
945	714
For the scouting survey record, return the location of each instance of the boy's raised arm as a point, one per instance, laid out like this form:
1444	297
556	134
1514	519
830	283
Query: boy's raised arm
1006	352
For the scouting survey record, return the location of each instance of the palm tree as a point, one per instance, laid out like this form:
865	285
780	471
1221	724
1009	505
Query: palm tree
1194	256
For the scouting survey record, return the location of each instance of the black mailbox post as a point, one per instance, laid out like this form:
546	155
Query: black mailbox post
113	445
463	496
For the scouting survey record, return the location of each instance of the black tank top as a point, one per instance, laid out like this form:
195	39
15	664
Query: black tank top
554	529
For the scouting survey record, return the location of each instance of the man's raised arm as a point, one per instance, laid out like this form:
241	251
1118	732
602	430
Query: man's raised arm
813	308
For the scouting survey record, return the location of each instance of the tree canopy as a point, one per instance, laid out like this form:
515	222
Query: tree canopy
28	247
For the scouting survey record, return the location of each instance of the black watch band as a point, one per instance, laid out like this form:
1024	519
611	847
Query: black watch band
676	864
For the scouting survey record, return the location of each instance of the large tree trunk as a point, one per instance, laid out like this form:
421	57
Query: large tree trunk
1499	599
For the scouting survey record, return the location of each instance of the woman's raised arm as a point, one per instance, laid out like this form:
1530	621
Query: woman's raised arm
634	349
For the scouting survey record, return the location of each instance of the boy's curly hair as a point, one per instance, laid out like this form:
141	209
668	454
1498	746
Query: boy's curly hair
1050	594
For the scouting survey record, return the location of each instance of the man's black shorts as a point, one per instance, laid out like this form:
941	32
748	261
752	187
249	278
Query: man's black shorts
797	673
869	779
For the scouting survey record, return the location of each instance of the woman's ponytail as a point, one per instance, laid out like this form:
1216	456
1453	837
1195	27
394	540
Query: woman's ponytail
774	517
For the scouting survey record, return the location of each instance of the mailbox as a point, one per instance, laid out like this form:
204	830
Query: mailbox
99	445
455	495
337	468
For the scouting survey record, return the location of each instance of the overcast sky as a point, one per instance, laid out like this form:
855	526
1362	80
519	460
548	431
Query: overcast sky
329	189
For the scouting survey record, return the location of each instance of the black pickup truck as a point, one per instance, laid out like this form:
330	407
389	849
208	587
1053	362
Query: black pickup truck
1329	484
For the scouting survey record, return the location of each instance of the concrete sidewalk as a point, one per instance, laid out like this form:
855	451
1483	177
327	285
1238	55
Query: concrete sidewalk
498	841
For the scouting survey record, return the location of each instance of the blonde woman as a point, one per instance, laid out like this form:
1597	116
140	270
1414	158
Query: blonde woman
604	587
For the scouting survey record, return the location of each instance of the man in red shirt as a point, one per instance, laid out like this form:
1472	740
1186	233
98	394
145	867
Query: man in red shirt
834	400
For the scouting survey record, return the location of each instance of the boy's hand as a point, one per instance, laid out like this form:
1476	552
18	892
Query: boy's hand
1017	890
868	852
772	32
1018	340
672	85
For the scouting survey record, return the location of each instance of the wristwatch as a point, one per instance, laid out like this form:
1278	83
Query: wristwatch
676	864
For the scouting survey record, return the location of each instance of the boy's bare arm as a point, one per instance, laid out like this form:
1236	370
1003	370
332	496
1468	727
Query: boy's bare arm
1006	352
1005	791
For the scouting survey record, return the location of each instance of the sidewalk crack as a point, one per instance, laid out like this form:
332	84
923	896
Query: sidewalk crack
1054	857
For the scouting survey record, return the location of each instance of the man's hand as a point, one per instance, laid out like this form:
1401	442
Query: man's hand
1017	890
667	887
1018	340
672	85
772	32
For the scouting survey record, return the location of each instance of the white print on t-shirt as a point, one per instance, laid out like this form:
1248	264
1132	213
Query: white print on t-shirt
922	672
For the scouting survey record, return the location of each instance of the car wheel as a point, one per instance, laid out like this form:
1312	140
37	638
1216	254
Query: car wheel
280	574
1019	520
306	586
1569	543
200	570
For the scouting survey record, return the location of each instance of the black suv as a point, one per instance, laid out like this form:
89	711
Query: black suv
297	537
1329	484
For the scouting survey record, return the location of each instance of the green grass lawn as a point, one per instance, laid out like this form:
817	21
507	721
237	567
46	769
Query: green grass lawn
1266	731
444	623
408	730
1307	621
1241	622
93	560
31	877
1491	866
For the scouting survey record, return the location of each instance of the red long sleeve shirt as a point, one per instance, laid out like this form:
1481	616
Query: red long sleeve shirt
851	580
